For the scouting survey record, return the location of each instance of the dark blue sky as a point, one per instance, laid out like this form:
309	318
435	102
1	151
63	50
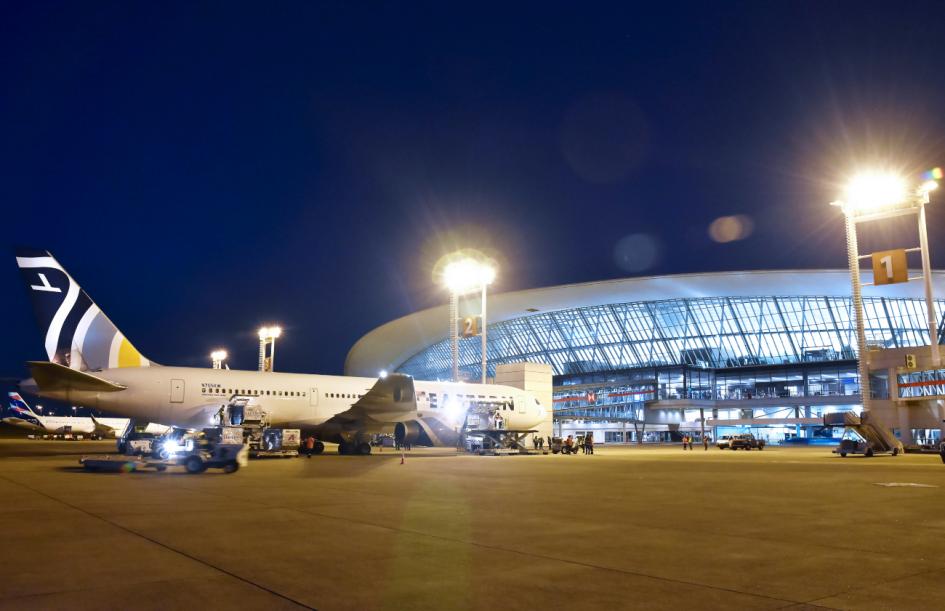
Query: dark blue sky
201	168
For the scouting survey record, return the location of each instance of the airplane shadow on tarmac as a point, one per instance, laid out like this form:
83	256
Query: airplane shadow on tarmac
331	465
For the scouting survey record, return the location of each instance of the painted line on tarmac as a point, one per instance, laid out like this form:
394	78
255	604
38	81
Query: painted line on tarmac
875	584
903	485
163	545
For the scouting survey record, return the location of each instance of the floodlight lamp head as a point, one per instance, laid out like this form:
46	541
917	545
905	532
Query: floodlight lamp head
218	355
270	332
466	275
873	191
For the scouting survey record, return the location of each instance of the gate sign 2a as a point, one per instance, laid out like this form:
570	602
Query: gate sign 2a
889	267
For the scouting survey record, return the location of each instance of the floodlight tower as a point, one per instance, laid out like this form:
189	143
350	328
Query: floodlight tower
874	196
217	357
267	338
464	276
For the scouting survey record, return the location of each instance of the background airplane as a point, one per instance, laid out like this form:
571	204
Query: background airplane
20	415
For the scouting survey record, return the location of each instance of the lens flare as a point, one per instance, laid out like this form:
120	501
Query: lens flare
731	228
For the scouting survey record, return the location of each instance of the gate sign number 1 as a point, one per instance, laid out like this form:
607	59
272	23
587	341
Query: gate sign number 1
889	267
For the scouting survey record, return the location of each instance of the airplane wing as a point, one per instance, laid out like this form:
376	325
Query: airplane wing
101	429
392	398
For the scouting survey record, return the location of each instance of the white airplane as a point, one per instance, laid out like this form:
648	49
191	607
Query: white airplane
20	415
92	364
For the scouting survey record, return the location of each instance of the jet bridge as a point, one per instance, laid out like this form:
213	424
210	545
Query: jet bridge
876	438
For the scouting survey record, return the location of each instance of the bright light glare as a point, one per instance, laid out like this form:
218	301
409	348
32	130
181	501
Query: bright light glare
928	186
467	274
218	355
383	373
874	190
270	332
453	409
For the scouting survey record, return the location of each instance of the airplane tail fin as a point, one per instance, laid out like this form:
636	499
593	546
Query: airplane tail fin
21	410
78	335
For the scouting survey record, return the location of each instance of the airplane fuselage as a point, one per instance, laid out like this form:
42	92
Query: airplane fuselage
192	397
63	424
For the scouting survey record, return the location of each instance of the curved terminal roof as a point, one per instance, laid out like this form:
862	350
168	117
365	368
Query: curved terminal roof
391	344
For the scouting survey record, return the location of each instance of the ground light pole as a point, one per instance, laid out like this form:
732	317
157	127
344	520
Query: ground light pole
454	333
463	276
267	338
878	196
483	331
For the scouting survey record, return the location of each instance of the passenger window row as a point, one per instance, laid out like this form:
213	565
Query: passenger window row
257	393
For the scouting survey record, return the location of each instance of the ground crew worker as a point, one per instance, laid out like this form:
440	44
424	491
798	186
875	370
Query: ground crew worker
705	443
309	445
589	443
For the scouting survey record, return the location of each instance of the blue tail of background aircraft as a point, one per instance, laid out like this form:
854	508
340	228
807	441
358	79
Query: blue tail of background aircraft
20	409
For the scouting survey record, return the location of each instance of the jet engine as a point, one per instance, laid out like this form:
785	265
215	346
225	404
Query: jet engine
408	432
425	432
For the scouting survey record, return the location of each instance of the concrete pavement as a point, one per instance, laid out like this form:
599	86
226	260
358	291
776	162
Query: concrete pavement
626	528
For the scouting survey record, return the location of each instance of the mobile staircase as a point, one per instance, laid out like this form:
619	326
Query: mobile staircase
870	437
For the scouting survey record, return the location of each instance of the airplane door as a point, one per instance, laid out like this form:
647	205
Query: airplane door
313	402
177	391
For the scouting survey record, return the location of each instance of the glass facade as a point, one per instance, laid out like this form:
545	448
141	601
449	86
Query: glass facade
700	333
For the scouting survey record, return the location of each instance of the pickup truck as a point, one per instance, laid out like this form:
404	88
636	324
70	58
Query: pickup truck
746	442
723	441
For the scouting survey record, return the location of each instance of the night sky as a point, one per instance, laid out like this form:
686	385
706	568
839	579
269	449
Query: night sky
203	168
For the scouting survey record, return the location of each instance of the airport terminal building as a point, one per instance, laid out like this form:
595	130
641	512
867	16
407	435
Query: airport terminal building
768	352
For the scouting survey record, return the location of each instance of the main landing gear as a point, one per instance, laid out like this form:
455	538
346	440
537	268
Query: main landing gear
354	447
